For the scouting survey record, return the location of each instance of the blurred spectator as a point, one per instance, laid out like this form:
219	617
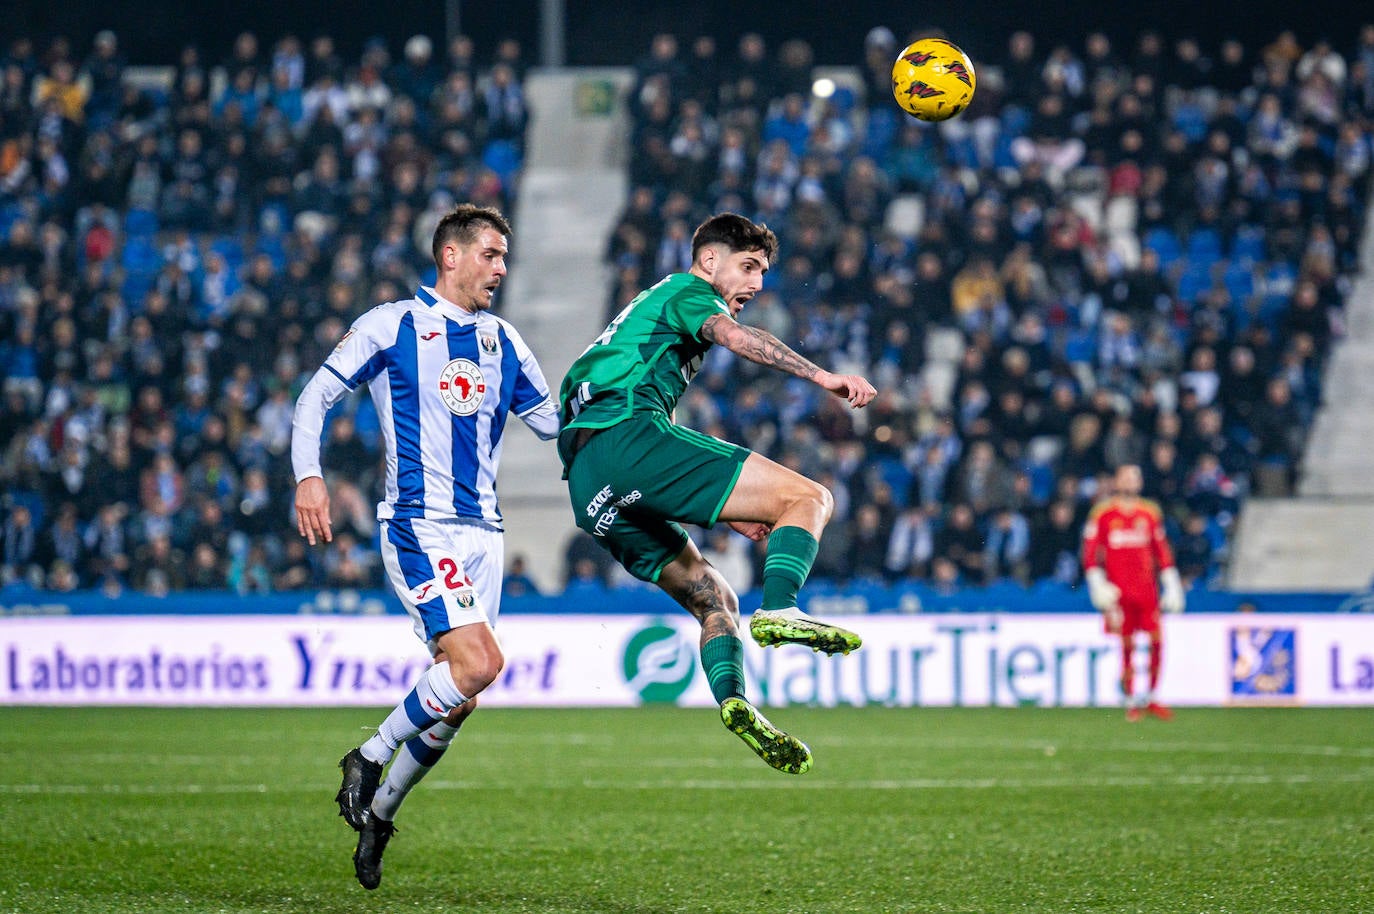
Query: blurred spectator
1193	550
517	582
910	546
1130	248
18	560
158	568
729	553
1129	251
293	571
149	234
585	563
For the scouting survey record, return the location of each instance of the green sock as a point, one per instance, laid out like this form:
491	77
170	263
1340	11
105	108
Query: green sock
791	550
723	660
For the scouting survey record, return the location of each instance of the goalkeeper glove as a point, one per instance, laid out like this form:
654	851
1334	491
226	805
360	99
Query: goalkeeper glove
1102	593
1171	598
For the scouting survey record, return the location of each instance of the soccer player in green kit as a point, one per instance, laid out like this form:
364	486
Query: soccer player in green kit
633	474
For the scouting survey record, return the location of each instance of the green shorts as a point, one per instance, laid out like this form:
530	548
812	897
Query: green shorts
630	482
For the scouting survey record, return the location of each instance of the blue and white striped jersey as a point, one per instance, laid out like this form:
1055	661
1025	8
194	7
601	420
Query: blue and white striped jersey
443	381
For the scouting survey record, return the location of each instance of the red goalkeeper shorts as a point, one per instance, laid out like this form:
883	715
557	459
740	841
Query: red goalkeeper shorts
1139	613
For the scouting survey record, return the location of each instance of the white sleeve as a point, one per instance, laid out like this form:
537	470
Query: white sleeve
533	403
355	360
543	419
324	390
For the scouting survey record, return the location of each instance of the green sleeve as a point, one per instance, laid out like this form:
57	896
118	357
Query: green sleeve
687	312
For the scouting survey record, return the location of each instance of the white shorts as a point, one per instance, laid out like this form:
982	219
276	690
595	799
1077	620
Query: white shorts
447	573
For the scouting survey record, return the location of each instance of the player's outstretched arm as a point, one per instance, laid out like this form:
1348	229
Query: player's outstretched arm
764	348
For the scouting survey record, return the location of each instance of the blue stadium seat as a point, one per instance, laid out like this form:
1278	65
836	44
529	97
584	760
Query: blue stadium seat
135	288
1191	120
880	132
1015	121
1165	244
1041	480
1194	281
1204	247
1080	345
892	471
8	216
140	223
502	157
1001	153
140	256
274	246
366	421
1248	244
1240	280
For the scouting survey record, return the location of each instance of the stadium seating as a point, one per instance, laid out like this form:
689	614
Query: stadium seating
1063	210
166	362
126	341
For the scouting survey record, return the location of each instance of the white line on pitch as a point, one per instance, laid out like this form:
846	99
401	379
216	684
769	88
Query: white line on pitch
1073	783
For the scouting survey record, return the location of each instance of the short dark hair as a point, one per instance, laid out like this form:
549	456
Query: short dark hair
463	222
737	233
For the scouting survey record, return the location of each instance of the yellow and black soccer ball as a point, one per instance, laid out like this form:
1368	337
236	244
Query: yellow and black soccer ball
933	79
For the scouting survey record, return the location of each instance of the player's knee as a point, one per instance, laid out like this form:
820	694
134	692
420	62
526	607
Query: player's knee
800	492
728	600
820	497
477	669
488	667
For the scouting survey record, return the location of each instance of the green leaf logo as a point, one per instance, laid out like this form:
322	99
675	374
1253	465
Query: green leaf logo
659	663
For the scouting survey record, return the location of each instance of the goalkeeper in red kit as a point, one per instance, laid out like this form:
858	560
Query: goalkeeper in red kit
1131	576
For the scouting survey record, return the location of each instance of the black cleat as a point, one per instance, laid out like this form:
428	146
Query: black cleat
360	780
367	859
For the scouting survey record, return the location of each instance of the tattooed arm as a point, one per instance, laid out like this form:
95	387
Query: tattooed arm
764	348
757	346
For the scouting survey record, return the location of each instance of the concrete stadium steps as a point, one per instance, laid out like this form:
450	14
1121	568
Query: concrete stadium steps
1304	544
571	192
1323	539
1339	460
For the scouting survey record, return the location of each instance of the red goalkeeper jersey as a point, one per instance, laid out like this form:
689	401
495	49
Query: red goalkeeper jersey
1128	544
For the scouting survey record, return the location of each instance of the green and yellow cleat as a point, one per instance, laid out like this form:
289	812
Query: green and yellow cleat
783	752
776	627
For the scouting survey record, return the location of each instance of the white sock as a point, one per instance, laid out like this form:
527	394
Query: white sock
422	754
432	698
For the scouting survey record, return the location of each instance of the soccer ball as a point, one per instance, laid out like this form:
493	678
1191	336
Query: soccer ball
932	79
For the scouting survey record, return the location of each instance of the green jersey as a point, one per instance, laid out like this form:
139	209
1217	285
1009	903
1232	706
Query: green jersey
644	359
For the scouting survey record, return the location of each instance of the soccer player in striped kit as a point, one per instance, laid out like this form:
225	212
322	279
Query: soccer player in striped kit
444	374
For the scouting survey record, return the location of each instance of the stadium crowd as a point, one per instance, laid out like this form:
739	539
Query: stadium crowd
1115	255
181	247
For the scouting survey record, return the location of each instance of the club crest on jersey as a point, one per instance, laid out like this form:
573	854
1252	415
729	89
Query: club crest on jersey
488	343
462	387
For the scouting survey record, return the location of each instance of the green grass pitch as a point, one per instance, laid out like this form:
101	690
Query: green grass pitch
661	810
